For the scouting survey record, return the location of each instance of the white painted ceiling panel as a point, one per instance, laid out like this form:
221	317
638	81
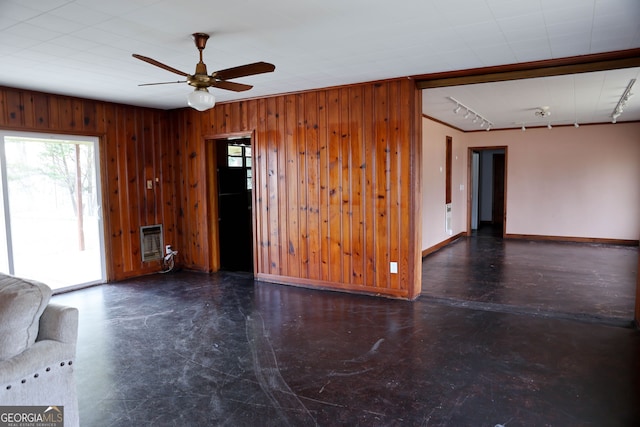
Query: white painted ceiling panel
83	47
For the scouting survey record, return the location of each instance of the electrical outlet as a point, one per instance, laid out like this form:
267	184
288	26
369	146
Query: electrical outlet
167	249
393	267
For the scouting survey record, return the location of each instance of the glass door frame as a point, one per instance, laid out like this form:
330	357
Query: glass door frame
5	208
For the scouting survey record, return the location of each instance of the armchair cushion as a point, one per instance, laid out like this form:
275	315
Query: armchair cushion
22	302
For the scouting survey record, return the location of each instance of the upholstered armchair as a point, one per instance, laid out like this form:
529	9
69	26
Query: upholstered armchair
37	348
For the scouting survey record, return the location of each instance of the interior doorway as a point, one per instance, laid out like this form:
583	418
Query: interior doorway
487	189
235	218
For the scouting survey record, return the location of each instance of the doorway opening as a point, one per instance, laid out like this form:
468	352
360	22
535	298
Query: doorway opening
235	204
487	186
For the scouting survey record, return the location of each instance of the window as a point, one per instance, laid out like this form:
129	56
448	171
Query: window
239	156
50	209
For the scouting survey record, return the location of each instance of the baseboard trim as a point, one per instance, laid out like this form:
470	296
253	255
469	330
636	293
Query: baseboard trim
402	294
441	245
620	242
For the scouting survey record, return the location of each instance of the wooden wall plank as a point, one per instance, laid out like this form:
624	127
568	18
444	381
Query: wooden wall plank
336	180
369	195
394	181
123	206
292	183
262	171
303	172
346	189
358	182
28	107
283	217
15	109
312	158
334	187
380	187
41	111
323	181
272	184
3	105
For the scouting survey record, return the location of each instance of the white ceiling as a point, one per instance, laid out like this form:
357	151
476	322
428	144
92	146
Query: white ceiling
83	48
577	98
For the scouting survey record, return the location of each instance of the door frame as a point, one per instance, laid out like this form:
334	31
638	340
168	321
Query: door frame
470	151
211	168
96	142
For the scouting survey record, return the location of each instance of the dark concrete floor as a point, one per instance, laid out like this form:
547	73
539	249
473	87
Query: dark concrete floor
190	349
587	282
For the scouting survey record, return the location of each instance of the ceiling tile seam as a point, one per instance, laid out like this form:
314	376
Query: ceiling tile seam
504	36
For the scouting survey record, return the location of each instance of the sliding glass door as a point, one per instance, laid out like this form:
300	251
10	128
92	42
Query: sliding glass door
51	209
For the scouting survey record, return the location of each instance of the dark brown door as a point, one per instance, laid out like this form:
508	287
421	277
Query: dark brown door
497	215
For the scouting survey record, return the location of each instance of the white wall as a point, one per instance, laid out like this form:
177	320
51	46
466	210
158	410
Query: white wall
561	182
433	182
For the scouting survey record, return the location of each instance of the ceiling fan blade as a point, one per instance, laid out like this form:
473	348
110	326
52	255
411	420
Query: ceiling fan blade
236	87
159	64
162	83
244	70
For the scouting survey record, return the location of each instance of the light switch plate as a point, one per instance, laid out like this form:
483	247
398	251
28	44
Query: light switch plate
393	267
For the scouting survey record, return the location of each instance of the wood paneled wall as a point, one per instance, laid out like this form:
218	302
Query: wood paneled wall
337	186
134	148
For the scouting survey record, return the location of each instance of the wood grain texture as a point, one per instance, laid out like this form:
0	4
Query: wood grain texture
336	180
336	185
134	146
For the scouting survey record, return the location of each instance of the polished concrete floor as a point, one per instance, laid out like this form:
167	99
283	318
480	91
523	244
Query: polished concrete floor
587	282
191	349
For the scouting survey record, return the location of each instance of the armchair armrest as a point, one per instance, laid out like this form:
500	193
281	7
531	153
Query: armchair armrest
59	323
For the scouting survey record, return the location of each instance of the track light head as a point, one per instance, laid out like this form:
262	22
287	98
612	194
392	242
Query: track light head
523	128
576	125
457	109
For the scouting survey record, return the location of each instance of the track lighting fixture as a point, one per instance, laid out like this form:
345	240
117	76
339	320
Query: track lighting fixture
548	125
523	128
576	125
626	95
469	112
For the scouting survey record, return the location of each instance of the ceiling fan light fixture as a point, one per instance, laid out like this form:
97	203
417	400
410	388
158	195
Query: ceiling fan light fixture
200	99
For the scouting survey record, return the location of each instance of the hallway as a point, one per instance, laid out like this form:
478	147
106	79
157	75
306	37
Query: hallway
586	282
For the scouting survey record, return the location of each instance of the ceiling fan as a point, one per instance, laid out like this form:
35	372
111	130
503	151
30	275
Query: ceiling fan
200	98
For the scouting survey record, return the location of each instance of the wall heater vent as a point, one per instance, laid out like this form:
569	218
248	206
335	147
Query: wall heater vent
151	242
447	221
